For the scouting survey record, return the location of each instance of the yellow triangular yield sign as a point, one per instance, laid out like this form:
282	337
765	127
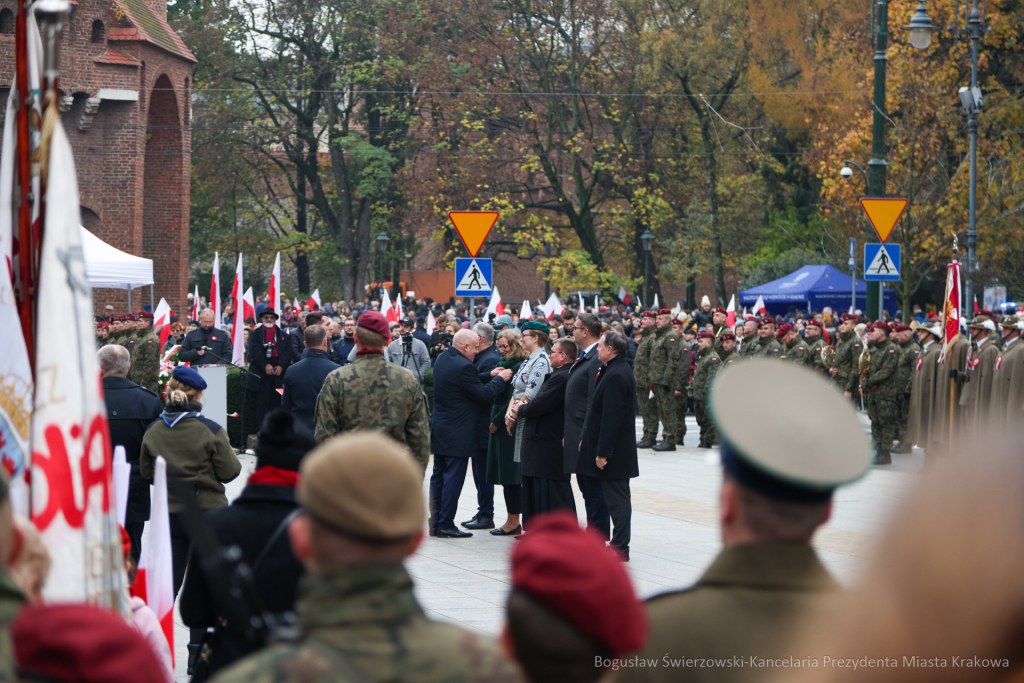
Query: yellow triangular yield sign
883	214
473	227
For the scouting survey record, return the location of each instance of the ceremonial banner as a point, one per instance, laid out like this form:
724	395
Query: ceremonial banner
951	310
72	493
15	396
274	293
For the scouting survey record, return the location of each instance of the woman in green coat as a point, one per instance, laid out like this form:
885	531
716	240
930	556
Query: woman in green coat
502	470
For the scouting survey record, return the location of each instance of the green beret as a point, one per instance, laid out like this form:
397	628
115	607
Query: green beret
538	327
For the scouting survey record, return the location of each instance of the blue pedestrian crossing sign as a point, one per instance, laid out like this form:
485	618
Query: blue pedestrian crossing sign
473	277
881	262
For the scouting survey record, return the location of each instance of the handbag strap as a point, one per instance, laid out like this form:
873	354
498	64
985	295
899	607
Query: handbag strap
278	532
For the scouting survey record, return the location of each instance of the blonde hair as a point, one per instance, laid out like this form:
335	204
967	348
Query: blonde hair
179	395
517	352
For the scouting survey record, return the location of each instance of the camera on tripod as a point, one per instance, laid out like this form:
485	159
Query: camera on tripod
445	339
406	342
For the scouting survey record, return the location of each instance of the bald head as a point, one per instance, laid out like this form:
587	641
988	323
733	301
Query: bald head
466	341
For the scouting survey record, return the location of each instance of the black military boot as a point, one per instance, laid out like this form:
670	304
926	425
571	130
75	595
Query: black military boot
193	657
665	446
883	459
902	447
646	442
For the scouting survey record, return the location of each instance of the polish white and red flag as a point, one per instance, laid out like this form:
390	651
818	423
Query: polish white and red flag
951	310
624	296
162	316
495	306
730	312
431	322
154	581
214	300
250	307
386	309
238	326
759	307
195	306
525	313
552	306
398	307
314	300
72	498
274	293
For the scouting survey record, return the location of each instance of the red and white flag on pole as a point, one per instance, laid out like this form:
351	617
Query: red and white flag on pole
250	307
274	293
525	313
759	307
552	306
162	316
238	326
431	322
951	310
624	296
72	490
195	306
314	300
214	300
154	582
386	309
398	307
495	306
730	312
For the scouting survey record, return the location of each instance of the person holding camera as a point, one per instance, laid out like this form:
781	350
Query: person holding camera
410	352
269	356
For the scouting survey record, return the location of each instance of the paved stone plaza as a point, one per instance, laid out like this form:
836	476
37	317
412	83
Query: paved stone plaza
675	535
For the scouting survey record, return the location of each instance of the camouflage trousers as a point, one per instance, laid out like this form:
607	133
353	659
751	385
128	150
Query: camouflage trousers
665	398
900	431
648	411
682	405
884	414
707	427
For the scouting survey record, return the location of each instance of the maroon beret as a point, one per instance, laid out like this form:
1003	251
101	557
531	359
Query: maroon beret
720	310
848	316
987	312
573	574
375	322
102	325
751	319
766	321
783	329
869	328
882	325
132	317
704	334
727	335
664	311
900	328
144	314
816	323
650	314
81	643
677	321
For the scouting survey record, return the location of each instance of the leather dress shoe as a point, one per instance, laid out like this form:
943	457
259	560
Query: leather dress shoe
452	532
480	522
645	442
664	446
511	532
704	445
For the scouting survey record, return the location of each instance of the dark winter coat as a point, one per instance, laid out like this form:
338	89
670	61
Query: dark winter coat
302	384
130	410
578	388
609	430
544	420
484	362
459	398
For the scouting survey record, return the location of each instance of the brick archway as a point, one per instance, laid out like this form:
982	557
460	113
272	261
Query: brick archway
164	229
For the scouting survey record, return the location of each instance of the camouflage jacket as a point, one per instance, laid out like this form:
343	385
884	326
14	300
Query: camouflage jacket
748	349
796	352
372	393
642	361
145	370
683	368
11	599
664	357
848	352
996	339
814	348
708	364
909	352
768	347
882	379
361	624
728	357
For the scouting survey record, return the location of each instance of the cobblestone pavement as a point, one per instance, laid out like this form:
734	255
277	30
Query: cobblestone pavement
675	535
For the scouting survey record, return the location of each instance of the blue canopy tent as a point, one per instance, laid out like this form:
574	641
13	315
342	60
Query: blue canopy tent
812	288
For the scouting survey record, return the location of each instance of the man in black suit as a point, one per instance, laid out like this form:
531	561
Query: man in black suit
130	410
459	397
269	356
586	332
546	485
207	345
296	338
608	446
303	380
486	359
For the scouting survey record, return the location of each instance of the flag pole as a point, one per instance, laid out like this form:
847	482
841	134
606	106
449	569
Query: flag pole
22	103
952	380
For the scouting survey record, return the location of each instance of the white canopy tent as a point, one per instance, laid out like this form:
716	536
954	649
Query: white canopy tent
110	268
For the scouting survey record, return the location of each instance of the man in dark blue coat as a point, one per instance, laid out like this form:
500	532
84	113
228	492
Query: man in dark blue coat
303	380
608	445
486	359
269	356
130	410
580	385
459	397
344	346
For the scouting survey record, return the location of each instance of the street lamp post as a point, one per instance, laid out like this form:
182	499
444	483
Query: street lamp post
647	241
382	247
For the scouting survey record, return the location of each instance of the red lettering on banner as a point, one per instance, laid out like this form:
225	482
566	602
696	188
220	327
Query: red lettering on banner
56	468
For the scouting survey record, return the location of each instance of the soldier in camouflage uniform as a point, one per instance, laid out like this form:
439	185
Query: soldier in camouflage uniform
794	348
371	393
708	363
102	332
815	338
903	337
750	345
767	345
641	373
882	387
664	359
145	358
848	350
130	336
728	354
682	385
362	514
